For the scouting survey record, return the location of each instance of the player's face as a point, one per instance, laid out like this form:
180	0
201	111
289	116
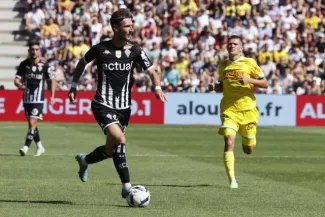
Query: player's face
125	29
34	52
234	47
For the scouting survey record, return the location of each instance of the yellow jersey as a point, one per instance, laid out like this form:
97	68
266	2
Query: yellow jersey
237	96
313	21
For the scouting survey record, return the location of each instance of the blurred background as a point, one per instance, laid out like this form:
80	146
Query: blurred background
185	39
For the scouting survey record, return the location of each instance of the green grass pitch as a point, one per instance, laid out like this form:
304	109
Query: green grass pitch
182	167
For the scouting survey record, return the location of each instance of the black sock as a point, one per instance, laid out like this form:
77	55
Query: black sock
97	155
29	137
120	163
37	138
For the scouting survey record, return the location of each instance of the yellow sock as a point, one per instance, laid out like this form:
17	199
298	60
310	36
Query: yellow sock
229	159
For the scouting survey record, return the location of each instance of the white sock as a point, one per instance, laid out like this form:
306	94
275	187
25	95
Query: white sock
39	145
26	147
126	185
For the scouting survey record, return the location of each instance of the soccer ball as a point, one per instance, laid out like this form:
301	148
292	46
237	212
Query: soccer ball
139	196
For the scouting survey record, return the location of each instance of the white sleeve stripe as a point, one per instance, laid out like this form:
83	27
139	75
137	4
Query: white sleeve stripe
85	59
18	76
148	68
260	77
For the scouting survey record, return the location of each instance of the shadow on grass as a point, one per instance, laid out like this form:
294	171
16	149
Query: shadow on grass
172	185
11	155
39	201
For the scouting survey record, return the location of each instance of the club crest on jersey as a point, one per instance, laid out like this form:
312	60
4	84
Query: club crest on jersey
118	53
34	68
40	68
127	52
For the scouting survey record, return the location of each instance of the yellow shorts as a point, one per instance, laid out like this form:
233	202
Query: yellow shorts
243	121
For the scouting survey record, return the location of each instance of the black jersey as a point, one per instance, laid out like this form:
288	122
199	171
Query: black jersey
33	76
115	71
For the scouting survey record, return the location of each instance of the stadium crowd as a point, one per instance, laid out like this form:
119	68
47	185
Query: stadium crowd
186	39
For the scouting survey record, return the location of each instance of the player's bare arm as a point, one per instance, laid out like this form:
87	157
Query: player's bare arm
53	87
156	81
19	84
76	76
260	83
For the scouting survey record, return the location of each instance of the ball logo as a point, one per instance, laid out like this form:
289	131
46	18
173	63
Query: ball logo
34	111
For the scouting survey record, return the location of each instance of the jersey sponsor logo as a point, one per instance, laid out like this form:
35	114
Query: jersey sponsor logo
117	66
233	75
106	52
118	53
145	58
34	76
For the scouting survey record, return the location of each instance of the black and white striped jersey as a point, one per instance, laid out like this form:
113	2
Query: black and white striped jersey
115	71
33	76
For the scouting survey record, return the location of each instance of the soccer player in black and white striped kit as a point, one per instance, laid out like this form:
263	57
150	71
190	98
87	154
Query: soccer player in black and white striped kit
30	77
116	59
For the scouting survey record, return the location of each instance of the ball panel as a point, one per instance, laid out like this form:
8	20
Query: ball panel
139	196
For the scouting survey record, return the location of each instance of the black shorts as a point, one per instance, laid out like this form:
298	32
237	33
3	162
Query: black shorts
34	110
106	116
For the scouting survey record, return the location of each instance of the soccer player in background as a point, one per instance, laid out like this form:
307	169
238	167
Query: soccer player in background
30	77
237	78
115	60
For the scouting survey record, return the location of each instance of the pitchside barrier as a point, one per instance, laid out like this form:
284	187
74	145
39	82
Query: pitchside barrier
181	108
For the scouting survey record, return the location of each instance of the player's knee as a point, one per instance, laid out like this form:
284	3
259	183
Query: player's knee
117	139
229	143
248	149
229	140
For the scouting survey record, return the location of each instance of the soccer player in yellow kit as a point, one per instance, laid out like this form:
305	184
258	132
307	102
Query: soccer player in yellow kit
238	77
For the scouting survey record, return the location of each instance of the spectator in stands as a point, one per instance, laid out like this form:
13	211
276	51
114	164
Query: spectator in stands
34	21
286	37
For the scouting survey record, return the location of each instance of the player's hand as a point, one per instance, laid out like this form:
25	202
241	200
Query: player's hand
160	95
211	87
52	101
244	80
73	94
21	87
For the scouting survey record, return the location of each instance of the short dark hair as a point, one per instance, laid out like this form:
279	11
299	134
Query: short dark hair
119	15
32	43
236	37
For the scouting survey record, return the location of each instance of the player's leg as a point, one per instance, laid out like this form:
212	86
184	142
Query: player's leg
116	147
39	146
37	139
229	129
32	122
248	131
33	114
98	154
